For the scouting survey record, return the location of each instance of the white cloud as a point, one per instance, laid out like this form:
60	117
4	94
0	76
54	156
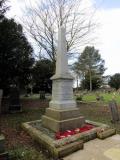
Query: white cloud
109	39
17	7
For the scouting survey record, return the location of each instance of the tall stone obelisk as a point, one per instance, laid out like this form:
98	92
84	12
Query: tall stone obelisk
62	113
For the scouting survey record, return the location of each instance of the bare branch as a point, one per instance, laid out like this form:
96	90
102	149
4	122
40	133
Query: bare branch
44	20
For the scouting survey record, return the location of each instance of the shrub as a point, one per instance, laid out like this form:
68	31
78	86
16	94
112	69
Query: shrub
79	98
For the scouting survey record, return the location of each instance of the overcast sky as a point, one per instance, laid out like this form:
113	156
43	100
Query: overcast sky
108	43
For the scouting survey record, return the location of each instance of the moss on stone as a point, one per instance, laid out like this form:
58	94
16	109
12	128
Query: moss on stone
65	146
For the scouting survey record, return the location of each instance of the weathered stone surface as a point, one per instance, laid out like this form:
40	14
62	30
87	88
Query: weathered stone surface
106	133
98	124
62	62
62	114
114	111
70	148
89	135
62	125
62	94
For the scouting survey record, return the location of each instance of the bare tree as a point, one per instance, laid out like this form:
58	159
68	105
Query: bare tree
3	8
42	23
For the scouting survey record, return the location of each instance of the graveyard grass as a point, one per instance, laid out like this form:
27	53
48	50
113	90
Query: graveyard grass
22	147
91	97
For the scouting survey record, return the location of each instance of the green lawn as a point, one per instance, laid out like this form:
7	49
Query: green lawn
89	97
106	97
35	96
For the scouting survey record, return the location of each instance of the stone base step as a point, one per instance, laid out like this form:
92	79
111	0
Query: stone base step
63	125
62	114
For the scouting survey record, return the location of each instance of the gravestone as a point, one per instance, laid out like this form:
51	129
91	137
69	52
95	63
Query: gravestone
62	113
114	111
42	95
14	100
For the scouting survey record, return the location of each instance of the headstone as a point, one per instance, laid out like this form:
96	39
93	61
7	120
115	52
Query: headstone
5	105
62	113
42	95
114	111
14	99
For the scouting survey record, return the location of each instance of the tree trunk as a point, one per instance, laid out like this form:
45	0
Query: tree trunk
77	84
90	81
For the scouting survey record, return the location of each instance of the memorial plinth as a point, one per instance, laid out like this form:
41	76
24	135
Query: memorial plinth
62	113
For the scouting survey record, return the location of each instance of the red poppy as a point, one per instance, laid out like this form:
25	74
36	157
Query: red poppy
67	133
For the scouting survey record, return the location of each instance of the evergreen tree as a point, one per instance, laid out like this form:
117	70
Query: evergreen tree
96	82
114	81
91	65
42	71
16	57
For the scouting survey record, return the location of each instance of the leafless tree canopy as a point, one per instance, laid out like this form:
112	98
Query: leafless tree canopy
43	21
